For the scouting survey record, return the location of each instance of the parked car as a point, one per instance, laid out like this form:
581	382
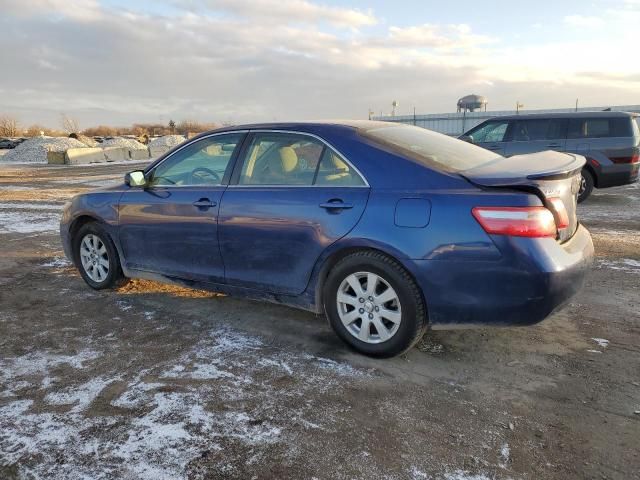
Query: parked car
388	229
609	140
7	143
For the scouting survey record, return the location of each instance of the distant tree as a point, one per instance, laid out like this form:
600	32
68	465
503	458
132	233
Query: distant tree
191	126
100	131
69	125
36	131
9	126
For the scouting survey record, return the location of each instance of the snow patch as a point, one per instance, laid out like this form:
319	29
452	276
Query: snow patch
81	396
602	342
28	222
57	262
626	265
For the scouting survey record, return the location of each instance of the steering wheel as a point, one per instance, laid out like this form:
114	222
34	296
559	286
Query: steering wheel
199	176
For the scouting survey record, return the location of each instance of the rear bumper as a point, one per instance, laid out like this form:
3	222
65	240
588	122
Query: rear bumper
533	278
616	175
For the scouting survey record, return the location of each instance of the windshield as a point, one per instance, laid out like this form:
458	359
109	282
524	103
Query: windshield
430	148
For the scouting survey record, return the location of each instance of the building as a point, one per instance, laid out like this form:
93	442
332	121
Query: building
457	123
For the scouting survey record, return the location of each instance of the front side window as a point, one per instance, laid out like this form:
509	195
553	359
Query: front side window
530	130
490	132
293	159
203	162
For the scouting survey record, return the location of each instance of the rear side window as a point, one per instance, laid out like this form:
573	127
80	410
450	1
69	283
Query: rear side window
489	132
538	129
292	159
429	148
599	127
333	171
281	159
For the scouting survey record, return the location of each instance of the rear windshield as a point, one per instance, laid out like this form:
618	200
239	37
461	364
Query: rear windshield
430	148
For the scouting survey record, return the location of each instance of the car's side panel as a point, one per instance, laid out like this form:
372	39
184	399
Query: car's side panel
161	230
271	237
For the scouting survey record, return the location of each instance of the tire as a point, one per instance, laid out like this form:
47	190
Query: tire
387	334
96	257
586	185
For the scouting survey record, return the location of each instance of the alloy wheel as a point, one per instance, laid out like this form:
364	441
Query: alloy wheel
369	307
94	258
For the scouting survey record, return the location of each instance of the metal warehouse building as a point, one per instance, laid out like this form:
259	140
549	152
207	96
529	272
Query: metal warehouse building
458	123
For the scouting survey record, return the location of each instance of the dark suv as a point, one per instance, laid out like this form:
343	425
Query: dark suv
609	140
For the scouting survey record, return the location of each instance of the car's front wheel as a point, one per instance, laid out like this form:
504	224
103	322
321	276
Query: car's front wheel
97	257
374	305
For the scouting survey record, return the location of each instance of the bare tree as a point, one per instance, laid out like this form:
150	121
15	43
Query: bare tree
9	126
192	126
70	125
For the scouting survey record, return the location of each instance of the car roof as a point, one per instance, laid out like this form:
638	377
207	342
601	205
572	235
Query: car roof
308	126
598	113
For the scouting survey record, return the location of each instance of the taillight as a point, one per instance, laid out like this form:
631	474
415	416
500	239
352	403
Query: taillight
632	159
561	214
516	221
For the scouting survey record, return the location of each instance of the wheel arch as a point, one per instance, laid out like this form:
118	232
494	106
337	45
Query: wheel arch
82	220
338	253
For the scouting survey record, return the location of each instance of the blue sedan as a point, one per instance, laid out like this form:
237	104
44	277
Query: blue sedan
388	229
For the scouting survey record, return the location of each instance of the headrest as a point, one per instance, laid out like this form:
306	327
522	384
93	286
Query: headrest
288	159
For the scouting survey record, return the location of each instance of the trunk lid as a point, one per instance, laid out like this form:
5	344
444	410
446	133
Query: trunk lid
548	174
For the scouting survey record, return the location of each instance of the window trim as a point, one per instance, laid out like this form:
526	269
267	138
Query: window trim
235	175
228	172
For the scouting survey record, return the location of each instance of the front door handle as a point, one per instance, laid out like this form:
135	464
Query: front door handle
336	204
204	203
554	145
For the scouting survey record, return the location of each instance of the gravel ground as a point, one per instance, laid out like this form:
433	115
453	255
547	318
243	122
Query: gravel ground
153	381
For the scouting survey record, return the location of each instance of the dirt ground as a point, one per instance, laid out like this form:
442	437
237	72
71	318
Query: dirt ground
157	382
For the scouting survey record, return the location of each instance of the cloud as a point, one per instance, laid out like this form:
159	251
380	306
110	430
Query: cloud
287	11
223	60
582	21
77	9
436	36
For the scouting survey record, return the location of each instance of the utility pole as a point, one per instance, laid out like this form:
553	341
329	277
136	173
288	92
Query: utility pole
414	116
576	104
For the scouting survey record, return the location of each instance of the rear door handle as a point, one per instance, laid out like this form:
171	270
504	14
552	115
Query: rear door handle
336	204
204	203
554	145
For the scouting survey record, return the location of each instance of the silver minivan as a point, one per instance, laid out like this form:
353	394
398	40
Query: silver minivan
610	141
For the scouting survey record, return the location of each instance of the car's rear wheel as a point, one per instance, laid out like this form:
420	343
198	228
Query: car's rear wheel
374	305
586	185
97	257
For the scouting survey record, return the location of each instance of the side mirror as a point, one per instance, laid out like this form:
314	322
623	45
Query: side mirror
467	138
135	179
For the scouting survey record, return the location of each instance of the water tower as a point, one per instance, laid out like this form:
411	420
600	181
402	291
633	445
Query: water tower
469	103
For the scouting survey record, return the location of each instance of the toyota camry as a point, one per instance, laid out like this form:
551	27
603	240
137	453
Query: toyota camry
388	229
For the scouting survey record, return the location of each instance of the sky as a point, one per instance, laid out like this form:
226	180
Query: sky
116	62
